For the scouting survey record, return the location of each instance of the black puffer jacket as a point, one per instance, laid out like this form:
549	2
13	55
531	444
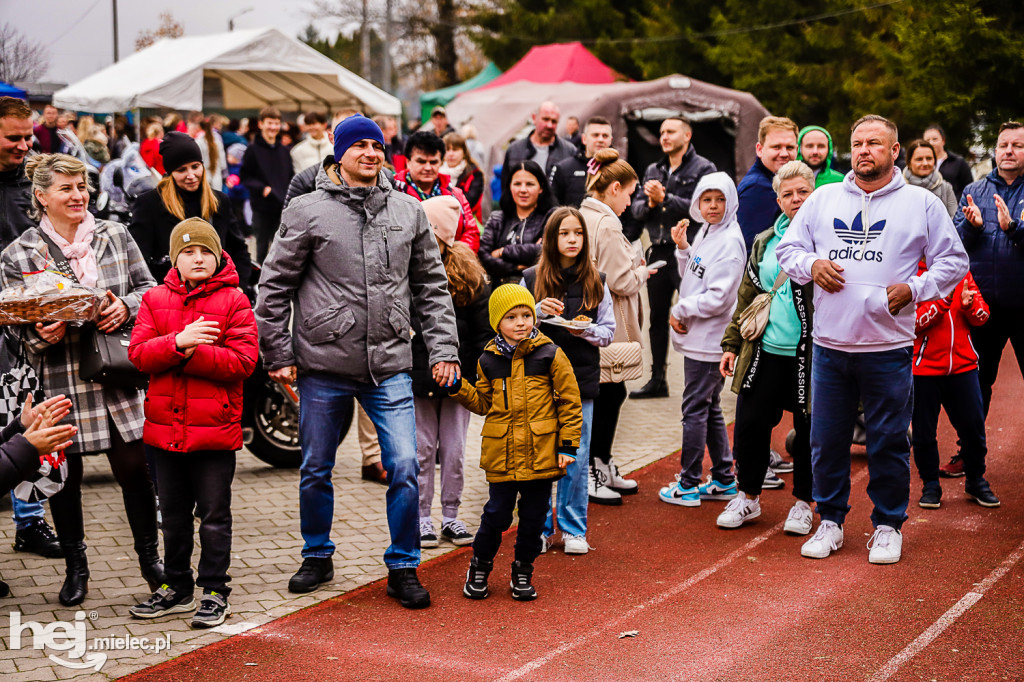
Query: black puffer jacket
18	458
474	326
15	202
152	225
520	241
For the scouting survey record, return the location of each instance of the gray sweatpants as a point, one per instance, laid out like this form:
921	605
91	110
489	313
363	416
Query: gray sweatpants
703	424
441	425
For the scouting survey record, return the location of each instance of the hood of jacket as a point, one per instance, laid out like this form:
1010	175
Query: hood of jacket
828	136
723	183
371	199
781	223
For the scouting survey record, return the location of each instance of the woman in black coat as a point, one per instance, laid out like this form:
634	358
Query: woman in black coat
184	193
511	240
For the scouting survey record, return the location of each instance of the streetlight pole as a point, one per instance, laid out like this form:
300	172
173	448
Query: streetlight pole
231	20
116	56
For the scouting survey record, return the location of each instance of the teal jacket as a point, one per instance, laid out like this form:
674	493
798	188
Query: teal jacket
826	175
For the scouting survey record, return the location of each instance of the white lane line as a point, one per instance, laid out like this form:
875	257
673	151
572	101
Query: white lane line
949	617
653	601
632	613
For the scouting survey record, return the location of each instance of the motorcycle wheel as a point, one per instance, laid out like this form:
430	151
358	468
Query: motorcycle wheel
272	429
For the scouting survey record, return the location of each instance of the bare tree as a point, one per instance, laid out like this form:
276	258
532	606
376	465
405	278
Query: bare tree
426	40
169	28
21	59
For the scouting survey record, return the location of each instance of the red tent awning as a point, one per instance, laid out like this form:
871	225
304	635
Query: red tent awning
558	63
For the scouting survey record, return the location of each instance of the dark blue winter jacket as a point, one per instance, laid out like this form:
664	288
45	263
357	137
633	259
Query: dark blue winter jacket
997	257
758	207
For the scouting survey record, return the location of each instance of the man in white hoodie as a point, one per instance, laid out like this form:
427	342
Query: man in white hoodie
710	273
860	241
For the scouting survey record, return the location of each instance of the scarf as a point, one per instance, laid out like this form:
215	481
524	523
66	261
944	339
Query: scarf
453	173
929	182
506	348
79	252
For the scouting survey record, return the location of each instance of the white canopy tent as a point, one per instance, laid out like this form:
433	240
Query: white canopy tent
245	69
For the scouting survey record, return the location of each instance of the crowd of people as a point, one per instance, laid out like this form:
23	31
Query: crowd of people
383	283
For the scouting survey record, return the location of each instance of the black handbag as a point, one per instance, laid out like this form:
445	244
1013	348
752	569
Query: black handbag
103	357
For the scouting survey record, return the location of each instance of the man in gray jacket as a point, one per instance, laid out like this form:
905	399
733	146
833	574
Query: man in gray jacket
354	257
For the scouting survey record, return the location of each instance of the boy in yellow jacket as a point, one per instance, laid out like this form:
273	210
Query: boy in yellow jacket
527	391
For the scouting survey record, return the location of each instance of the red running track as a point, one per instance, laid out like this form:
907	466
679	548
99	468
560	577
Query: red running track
707	604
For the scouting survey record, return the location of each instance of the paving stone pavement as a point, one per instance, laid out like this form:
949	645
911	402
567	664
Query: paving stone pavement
266	546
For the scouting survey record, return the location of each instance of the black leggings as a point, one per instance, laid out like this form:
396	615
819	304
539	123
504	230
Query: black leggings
758	411
128	464
606	419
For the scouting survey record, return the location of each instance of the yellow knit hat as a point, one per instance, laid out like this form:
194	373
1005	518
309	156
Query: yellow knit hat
194	231
505	298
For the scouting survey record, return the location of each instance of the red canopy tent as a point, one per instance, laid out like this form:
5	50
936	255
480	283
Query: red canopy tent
558	63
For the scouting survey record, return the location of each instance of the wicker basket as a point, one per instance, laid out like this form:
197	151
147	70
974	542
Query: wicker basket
66	307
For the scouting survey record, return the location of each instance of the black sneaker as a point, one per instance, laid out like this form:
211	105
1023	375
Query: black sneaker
164	601
213	609
455	532
314	572
476	579
522	588
931	497
980	492
38	538
404	586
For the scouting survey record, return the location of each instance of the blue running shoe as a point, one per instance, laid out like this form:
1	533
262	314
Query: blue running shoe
713	490
677	494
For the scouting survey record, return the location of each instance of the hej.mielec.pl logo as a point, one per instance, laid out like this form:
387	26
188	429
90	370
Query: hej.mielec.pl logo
72	638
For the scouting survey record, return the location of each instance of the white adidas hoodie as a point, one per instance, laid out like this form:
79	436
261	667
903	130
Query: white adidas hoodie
879	239
711	270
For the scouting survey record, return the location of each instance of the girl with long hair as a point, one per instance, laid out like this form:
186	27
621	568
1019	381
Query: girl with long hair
441	422
565	282
464	170
184	192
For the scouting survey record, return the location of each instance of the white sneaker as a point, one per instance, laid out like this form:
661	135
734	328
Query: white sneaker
800	520
613	480
598	490
739	510
576	544
780	465
886	545
828	539
428	536
545	542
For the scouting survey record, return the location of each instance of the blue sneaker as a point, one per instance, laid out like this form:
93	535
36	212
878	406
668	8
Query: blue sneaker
713	490
676	494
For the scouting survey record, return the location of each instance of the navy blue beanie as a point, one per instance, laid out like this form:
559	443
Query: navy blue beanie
353	129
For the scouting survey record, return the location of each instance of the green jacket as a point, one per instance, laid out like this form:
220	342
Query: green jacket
826	175
747	352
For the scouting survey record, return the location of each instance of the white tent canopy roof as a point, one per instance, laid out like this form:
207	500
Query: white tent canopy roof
245	69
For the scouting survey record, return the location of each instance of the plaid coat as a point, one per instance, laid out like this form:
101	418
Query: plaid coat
121	269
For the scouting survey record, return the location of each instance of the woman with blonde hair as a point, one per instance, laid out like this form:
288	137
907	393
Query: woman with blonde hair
610	185
102	255
184	192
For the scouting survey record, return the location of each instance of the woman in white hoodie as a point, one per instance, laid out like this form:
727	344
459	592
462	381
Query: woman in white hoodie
711	271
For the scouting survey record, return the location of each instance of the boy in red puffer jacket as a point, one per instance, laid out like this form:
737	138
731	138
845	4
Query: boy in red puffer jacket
196	338
946	376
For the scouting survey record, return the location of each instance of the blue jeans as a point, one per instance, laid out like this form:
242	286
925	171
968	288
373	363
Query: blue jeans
324	398
571	498
883	383
25	513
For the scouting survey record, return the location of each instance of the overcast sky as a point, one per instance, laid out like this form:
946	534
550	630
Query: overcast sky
79	33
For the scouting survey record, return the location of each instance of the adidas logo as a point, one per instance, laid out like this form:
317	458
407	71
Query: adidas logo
854	234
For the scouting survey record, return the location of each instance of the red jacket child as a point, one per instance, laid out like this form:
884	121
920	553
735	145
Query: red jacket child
943	344
195	403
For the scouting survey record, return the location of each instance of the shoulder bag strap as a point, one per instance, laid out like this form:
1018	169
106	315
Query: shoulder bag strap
58	257
780	280
622	313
